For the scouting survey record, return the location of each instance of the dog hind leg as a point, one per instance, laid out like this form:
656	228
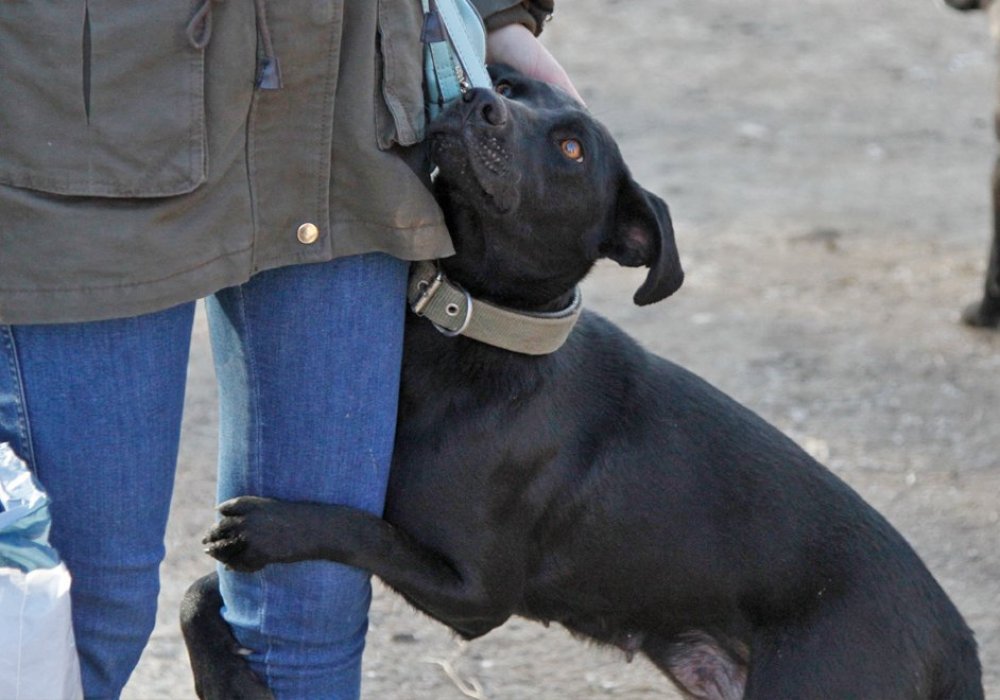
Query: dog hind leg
840	654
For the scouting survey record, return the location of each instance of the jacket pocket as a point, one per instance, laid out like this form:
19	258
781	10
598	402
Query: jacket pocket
101	98
399	74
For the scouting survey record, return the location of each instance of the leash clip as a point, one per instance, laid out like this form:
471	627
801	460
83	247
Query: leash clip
464	84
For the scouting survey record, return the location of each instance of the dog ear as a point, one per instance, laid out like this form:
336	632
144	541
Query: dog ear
642	234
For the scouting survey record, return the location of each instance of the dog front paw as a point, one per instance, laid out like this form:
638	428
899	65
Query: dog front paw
253	533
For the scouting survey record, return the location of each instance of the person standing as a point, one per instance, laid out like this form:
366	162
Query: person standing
265	156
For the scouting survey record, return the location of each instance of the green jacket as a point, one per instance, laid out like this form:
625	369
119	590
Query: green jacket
140	167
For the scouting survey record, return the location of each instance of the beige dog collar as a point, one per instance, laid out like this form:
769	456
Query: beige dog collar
453	311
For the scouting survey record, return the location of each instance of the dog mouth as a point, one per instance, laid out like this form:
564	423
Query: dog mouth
478	164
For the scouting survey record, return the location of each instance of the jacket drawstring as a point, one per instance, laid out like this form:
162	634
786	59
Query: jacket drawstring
199	33
199	28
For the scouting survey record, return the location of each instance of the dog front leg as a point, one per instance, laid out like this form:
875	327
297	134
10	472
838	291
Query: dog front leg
255	532
217	660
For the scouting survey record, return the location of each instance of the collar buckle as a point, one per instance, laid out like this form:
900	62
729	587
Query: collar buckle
426	290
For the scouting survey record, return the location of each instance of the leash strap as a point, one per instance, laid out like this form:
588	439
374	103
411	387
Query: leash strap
453	312
455	55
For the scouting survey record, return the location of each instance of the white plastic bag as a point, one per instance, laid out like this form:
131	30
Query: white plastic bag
38	659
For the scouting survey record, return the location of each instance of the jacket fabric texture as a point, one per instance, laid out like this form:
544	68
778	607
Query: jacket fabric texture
142	166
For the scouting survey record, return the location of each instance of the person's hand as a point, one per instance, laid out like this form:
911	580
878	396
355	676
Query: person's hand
516	46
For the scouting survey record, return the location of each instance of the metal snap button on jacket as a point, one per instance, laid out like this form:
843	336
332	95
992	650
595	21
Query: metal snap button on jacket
307	233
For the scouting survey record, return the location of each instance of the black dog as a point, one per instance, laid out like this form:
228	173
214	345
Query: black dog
986	312
599	486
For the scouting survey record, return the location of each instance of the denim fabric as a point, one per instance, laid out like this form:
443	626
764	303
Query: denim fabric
308	364
98	415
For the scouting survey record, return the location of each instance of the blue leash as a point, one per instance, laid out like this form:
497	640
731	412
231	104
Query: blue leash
455	53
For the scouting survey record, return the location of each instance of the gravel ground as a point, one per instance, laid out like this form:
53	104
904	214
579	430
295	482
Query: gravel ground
827	165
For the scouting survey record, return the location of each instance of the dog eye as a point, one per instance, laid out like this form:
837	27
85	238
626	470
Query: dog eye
503	89
572	149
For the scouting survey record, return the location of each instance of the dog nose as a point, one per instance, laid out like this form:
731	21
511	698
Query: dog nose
487	106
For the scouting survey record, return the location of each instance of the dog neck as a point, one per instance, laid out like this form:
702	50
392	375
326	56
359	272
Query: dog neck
454	311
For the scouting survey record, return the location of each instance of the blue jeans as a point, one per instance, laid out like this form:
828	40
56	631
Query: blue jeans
307	360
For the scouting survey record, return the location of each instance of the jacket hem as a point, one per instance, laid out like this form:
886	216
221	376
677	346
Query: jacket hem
356	237
349	237
79	305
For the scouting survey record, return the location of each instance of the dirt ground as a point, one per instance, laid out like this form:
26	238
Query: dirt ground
827	164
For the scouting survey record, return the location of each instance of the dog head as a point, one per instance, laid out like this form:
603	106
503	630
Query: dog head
535	190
